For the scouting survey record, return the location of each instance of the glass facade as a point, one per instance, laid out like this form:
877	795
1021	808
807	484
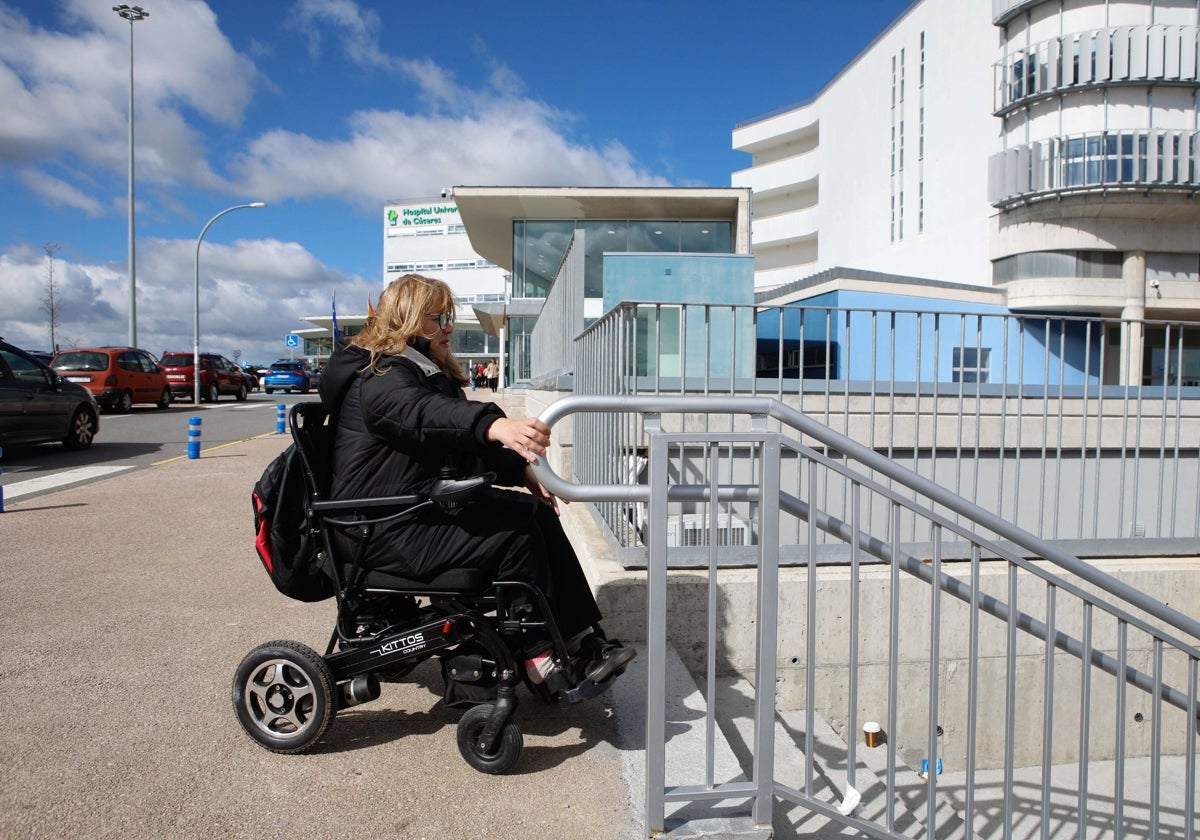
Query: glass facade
470	340
539	247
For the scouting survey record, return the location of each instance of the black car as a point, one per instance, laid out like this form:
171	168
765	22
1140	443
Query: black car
37	405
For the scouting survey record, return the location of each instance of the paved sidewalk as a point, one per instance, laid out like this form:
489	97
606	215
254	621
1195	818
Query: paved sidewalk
127	605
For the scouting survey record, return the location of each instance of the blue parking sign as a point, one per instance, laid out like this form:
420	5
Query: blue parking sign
291	340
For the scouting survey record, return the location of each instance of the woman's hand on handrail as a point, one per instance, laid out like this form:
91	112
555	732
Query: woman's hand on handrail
535	487
527	436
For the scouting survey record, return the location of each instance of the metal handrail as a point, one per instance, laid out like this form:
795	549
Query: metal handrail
767	407
763	786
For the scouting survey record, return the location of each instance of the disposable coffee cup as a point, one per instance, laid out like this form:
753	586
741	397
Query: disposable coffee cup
872	734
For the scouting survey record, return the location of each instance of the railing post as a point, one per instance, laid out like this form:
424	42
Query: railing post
768	634
656	631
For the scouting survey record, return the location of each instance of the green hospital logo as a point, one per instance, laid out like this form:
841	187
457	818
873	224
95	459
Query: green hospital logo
392	217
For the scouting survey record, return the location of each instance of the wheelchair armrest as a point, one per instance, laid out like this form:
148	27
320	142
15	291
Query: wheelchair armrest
372	503
453	492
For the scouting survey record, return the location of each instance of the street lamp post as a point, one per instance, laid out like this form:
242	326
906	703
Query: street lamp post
196	311
131	14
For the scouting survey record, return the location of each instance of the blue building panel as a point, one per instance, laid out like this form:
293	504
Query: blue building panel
678	278
868	336
673	281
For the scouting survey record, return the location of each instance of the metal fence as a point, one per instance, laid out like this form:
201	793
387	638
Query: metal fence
1024	416
1054	694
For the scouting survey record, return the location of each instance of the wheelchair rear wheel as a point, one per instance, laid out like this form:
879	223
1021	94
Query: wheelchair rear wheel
505	751
283	696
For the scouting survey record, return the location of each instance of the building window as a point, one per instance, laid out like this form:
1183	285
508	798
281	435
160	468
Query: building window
1171	357
1160	266
971	364
922	81
1078	264
921	207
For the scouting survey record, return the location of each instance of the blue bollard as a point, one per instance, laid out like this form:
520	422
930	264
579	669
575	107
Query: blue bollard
280	418
194	437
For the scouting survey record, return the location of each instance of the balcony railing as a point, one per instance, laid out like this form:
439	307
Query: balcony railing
1158	55
1140	160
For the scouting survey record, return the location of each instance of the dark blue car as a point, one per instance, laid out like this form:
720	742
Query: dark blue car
288	375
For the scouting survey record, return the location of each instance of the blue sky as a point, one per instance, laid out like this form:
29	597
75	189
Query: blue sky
326	109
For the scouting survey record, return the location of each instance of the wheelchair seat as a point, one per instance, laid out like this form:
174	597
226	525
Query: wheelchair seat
468	581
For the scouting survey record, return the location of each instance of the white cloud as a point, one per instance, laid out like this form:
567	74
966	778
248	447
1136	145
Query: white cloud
252	293
64	93
58	193
356	29
391	153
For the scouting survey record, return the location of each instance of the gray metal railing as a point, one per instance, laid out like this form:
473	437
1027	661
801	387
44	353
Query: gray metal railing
996	664
1022	415
1108	56
1140	160
560	319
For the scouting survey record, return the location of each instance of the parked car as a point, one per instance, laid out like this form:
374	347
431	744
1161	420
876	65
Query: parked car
37	405
250	371
288	375
218	376
118	377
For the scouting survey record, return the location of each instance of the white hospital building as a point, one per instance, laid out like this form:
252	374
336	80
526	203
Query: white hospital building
1037	155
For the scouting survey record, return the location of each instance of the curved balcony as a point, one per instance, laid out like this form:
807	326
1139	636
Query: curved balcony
1119	55
785	228
1144	160
1005	10
780	176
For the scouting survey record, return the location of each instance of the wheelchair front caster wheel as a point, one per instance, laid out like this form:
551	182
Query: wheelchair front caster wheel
283	696
505	751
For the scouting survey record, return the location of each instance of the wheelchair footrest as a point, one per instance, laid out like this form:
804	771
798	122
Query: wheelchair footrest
586	690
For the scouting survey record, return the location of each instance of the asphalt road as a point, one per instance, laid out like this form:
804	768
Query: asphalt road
146	436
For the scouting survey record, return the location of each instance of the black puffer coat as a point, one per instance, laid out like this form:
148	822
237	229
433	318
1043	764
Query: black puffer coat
399	427
396	429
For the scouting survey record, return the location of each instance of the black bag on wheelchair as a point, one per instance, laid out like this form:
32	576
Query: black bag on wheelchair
283	536
470	677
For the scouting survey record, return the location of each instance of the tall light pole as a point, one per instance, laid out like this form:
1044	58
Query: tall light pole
131	14
196	333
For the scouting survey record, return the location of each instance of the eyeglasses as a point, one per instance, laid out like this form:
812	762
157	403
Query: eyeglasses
444	319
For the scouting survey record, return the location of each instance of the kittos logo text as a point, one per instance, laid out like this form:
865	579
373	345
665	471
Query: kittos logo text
403	643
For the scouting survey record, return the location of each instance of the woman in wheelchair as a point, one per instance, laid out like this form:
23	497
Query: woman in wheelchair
402	421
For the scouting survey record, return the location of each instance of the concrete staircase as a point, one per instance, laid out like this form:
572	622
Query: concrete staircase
1024	820
687	708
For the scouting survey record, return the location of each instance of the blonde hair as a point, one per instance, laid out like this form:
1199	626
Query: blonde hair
399	319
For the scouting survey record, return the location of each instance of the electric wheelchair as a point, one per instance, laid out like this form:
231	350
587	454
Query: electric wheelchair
286	694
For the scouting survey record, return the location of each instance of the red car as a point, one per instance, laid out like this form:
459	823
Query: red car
218	376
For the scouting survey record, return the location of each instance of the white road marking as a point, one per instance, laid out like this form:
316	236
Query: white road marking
62	479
